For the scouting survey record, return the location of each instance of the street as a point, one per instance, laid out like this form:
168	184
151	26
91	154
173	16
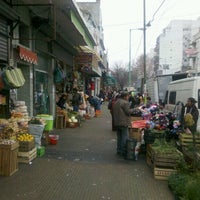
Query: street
84	166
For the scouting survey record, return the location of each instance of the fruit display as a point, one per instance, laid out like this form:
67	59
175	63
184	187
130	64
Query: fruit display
25	137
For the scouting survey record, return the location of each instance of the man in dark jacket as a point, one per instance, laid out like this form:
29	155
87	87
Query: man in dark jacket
122	121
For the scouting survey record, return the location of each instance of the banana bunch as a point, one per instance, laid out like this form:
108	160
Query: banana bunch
25	137
189	121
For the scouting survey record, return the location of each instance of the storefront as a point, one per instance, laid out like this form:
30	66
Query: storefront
7	15
87	63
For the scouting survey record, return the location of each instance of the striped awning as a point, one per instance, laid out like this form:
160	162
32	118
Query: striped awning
28	55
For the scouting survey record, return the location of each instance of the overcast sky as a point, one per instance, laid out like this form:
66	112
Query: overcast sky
119	16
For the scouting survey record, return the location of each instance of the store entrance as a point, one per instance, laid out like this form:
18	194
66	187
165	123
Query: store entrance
41	95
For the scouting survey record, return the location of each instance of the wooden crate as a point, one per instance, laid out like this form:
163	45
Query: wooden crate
163	173
26	157
8	159
150	152
149	161
60	121
10	146
169	160
25	146
135	133
187	139
135	118
164	160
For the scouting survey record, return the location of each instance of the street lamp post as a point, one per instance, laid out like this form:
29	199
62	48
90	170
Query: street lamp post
144	35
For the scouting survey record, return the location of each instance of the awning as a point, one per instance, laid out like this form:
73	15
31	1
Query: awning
28	55
88	61
108	80
87	49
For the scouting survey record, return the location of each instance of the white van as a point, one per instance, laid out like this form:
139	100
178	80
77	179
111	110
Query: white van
180	91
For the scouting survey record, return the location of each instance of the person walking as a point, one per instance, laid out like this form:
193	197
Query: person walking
192	113
122	121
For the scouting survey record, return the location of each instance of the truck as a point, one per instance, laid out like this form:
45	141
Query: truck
180	90
157	86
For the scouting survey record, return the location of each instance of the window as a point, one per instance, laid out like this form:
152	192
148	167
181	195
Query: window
166	97
41	96
172	97
24	37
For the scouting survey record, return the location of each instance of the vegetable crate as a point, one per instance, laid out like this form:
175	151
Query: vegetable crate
26	157
72	124
164	159
163	173
25	146
187	139
8	159
135	133
167	160
149	156
163	164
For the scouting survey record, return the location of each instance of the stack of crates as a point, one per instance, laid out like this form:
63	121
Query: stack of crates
27	151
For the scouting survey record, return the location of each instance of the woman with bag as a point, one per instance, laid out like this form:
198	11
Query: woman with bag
192	115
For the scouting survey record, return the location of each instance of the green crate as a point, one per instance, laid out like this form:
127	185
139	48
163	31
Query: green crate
40	151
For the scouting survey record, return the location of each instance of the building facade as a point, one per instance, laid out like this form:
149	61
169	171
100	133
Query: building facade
173	44
40	37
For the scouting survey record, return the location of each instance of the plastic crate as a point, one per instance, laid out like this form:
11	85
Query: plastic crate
40	151
49	121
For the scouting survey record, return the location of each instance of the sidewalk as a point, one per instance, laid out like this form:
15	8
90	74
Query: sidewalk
84	166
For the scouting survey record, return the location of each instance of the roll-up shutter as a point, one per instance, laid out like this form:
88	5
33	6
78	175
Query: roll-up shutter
3	40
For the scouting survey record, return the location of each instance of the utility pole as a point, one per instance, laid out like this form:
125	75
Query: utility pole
130	57
144	32
129	68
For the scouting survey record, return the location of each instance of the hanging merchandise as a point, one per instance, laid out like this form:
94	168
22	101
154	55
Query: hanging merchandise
1	82
12	78
59	75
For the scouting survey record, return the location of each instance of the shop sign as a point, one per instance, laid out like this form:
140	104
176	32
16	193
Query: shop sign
83	59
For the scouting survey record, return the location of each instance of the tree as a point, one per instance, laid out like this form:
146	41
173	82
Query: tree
121	75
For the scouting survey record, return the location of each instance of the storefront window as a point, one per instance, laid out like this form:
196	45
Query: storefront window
41	96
